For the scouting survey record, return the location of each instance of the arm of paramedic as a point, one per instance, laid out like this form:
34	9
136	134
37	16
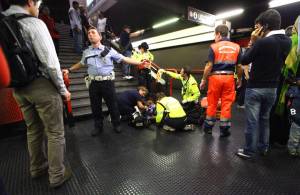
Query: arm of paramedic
141	105
207	70
209	64
45	51
173	75
159	113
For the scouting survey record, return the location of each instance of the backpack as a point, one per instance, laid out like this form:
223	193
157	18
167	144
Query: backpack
23	63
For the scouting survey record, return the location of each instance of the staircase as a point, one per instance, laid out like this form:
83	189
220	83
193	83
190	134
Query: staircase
80	95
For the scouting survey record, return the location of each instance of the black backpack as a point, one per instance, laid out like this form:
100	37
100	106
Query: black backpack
23	63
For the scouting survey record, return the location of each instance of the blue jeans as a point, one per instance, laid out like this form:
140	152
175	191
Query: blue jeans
126	67
77	36
294	140
258	103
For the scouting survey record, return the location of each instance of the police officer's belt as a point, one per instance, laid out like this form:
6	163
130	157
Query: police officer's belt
222	72
102	78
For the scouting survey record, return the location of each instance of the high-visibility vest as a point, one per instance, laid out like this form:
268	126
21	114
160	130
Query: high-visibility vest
226	55
171	106
189	91
142	56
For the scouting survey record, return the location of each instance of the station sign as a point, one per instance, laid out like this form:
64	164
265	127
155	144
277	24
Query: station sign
201	17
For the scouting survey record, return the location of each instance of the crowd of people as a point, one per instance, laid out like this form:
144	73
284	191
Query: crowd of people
269	64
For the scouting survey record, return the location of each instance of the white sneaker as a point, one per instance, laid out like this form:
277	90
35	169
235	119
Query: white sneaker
241	107
189	127
129	77
168	128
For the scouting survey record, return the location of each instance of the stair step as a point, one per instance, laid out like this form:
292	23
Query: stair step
83	111
86	111
82	87
74	57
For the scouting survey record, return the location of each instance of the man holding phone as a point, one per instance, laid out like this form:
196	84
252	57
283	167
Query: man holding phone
267	52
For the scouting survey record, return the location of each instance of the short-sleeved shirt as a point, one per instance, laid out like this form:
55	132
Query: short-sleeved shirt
130	97
100	66
125	41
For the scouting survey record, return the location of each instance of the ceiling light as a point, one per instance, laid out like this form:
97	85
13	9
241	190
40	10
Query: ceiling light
277	3
165	23
229	13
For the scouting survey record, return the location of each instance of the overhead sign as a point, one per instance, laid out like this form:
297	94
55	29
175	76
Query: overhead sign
201	17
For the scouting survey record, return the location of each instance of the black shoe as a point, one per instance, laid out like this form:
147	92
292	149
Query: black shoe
225	133
241	153
117	129
207	130
96	131
66	177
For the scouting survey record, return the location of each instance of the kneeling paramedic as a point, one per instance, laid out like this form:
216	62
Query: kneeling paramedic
127	101
224	57
99	60
169	113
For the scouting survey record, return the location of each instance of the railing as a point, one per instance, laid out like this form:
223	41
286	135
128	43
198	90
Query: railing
169	83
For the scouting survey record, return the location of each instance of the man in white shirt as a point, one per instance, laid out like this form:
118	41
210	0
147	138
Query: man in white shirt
76	26
40	100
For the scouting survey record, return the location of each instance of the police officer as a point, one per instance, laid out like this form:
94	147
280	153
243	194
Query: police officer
99	60
189	91
223	57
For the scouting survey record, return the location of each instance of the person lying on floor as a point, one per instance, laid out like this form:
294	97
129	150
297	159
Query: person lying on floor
127	100
170	114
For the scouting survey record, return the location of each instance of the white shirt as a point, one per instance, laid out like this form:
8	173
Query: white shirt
101	24
37	37
75	20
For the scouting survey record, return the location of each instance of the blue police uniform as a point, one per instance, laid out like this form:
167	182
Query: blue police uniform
101	73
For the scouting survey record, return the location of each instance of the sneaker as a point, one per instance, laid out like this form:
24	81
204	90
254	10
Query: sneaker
240	107
67	176
241	153
189	127
293	153
168	128
129	77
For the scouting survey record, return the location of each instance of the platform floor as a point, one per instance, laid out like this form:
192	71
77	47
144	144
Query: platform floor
154	162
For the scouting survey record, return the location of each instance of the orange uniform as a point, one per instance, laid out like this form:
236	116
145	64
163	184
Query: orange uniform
224	56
